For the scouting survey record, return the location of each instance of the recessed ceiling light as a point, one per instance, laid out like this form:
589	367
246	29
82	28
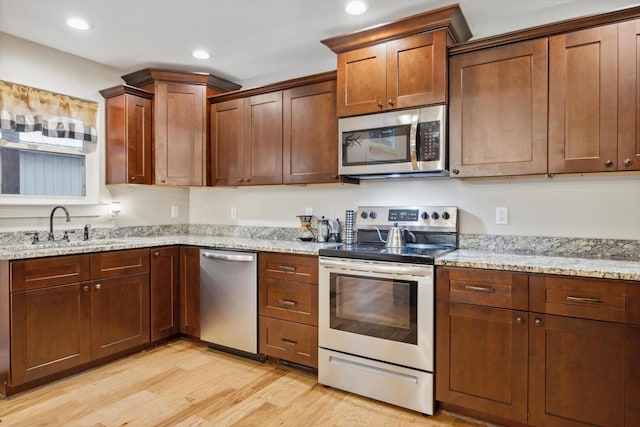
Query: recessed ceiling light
201	54
356	7
78	24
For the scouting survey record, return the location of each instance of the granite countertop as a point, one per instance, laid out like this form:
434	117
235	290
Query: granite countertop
627	269
607	268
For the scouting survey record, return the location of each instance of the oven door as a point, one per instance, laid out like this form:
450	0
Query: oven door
379	310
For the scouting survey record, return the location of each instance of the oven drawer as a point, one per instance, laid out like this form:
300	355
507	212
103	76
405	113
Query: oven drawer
290	341
597	299
490	288
286	300
300	268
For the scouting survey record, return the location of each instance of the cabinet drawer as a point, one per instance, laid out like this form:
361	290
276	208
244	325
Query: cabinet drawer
286	300
489	288
597	299
43	272
119	263
290	341
300	268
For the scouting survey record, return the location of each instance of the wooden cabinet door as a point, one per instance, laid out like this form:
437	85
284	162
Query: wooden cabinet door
227	142
50	331
417	70
629	95
128	136
263	139
310	134
165	292
583	372
119	314
180	134
583	101
190	291
481	359
498	111
361	85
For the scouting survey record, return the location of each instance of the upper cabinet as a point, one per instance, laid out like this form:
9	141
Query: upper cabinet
498	111
128	133
180	122
629	96
397	65
282	133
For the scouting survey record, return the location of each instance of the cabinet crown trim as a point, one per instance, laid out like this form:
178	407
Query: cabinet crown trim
122	89
448	17
151	75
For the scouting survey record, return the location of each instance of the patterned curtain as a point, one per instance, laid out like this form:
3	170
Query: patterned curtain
34	116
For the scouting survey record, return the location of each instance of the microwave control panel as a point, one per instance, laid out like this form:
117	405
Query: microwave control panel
429	141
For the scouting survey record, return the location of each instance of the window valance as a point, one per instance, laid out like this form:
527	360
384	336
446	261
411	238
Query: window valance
35	116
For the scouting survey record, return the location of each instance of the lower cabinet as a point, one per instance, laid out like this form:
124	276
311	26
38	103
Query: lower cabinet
190	291
59	323
565	356
165	292
288	307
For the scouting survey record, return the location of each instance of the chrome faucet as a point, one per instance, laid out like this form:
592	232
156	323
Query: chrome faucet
51	220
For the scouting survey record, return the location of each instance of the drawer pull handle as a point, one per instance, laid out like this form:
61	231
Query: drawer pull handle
585	300
479	289
286	302
288	342
287	268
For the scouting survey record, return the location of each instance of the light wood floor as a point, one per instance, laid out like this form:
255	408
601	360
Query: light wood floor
185	384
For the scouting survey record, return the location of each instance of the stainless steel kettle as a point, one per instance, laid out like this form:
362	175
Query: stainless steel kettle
395	237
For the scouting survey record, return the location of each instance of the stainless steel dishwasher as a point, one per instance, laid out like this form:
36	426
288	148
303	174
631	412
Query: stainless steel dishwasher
229	301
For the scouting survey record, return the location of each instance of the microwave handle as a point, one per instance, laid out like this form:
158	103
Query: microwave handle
413	149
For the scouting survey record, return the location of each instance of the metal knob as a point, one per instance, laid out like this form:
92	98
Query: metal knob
455	171
133	178
85	288
156	254
608	163
380	104
239	180
519	320
538	322
390	102
98	285
627	162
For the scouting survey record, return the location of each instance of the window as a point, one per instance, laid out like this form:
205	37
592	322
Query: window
47	143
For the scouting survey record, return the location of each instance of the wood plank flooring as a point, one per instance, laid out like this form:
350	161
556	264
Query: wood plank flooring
185	384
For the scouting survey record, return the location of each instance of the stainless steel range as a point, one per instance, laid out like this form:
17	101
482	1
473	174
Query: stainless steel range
376	304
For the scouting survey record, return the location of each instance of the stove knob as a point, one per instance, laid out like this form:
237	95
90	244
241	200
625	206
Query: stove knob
445	215
373	215
364	215
435	215
424	216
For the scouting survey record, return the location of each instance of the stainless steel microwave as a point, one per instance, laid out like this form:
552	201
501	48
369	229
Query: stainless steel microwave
396	143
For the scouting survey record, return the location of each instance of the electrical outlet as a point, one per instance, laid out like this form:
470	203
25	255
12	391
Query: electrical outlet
234	213
502	216
308	211
174	211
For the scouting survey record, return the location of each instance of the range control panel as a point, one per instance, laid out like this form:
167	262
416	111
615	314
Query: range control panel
428	218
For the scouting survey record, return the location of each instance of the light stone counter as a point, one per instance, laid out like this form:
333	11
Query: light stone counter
45	249
626	269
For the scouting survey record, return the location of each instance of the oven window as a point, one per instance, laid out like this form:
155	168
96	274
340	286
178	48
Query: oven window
381	308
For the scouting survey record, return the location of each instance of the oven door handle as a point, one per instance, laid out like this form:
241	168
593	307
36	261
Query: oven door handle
377	268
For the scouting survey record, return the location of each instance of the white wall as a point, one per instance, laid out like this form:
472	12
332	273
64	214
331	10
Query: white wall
594	205
35	65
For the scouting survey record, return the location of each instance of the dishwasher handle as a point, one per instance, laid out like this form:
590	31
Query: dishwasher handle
228	257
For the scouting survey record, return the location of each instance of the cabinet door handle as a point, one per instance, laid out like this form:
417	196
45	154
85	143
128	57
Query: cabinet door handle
98	285
380	104
85	288
288	342
133	178
286	302
156	254
608	163
479	289
627	162
455	171
163	181
584	300
390	102
519	320
538	322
